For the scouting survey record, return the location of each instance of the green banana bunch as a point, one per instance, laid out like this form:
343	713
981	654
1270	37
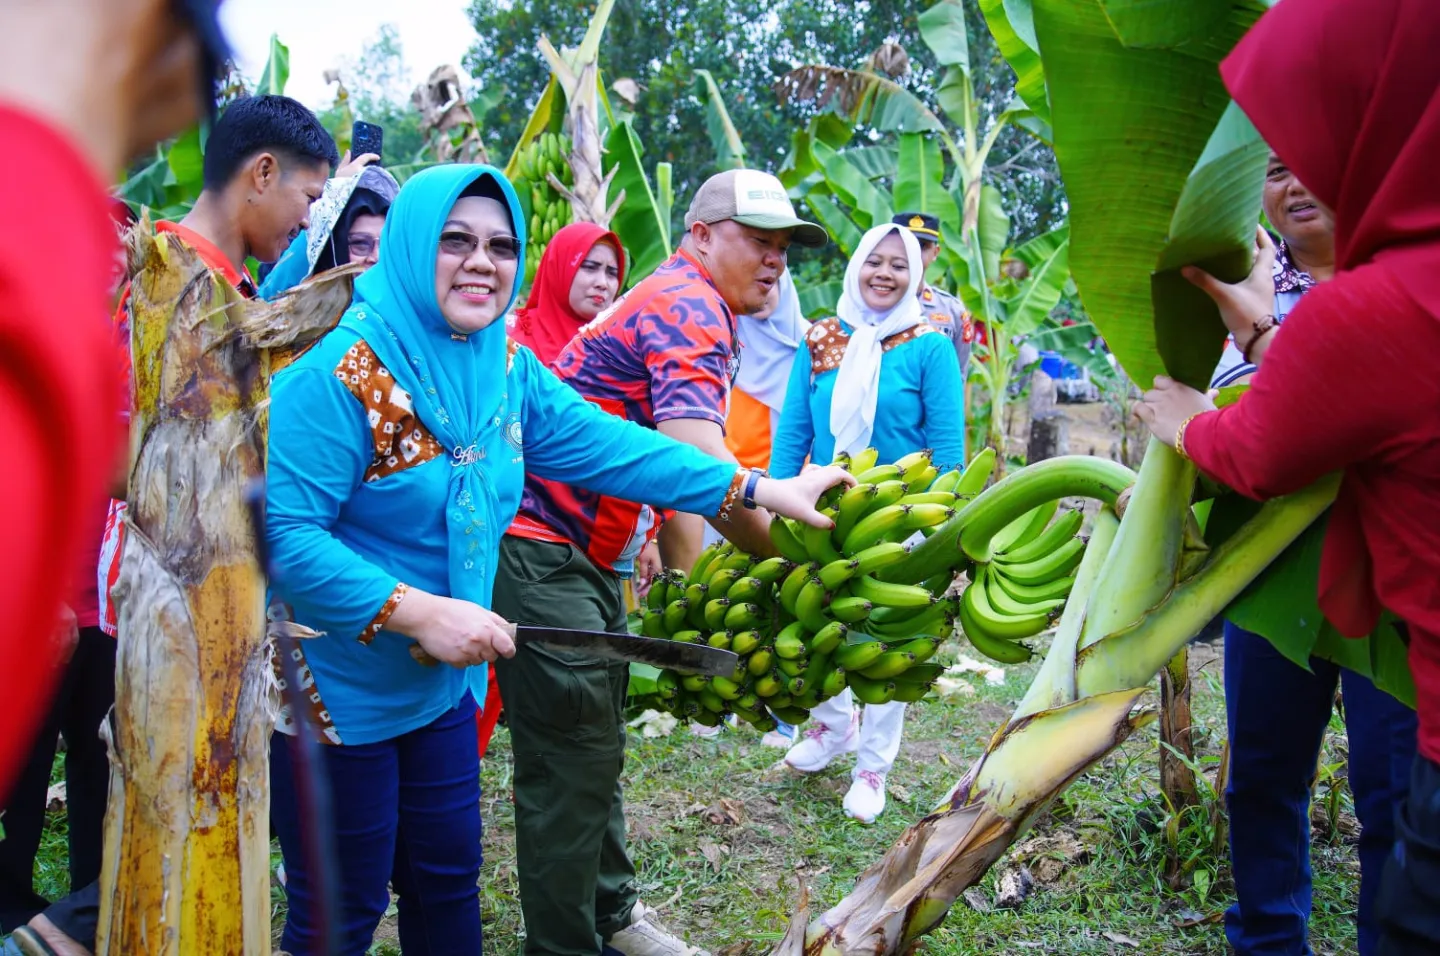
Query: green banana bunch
550	212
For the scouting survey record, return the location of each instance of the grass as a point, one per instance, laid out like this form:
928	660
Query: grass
1098	857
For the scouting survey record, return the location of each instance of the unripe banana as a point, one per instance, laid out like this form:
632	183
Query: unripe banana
908	693
721	640
745	642
695	592
920	517
837	572
842	459
879	556
817	540
694	683
874	476
888	665
921	478
768	686
790	642
685	637
721	580
1025	528
850	609
749	589
1011	628
1002	602
973	478
786	543
789	667
828	638
652	624
793	716
1033	594
875	527
711	701
760	662
869	691
810	605
947	498
853	657
851	508
674	588
915	461
655	597
727	689
794	581
771	569
739	560
863	461
1057	564
834	682
715	611
740	617
701	570
1064	528
887	594
946	482
922	649
667	685
796	684
674	615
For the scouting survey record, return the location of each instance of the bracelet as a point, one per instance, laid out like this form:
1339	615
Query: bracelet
747	497
1266	323
1180	436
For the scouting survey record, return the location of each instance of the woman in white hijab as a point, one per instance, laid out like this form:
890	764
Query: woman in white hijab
879	343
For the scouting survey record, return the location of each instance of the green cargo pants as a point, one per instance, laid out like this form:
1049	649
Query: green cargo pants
566	714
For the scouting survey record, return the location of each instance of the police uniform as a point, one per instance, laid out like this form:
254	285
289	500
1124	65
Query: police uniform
943	310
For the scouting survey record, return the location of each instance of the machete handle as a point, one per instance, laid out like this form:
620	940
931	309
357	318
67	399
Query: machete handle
418	652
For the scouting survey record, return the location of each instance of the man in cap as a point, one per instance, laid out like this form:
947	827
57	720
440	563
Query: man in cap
663	357
944	310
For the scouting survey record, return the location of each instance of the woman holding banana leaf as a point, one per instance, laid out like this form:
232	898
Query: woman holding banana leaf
878	343
398	450
1359	124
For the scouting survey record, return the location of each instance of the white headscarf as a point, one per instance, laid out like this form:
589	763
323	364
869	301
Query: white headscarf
767	348
857	386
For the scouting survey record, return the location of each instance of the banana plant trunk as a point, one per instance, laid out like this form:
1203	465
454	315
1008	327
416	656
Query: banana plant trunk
186	864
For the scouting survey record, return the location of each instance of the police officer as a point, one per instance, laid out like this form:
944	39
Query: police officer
943	310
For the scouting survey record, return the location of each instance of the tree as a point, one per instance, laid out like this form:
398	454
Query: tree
746	47
376	88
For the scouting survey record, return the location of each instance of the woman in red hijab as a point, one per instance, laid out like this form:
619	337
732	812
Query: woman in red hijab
579	275
1347	92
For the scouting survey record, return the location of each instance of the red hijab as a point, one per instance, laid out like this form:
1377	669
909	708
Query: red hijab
1347	93
547	323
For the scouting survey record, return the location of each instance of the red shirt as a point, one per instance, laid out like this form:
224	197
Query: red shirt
57	399
666	350
1319	405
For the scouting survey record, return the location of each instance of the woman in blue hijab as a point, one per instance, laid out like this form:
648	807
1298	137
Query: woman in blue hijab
398	447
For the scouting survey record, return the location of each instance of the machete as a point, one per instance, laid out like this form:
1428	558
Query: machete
675	655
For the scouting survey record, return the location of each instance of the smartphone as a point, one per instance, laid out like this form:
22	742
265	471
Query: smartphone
367	138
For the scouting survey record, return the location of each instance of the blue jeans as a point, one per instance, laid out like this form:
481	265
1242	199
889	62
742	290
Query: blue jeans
406	812
1276	715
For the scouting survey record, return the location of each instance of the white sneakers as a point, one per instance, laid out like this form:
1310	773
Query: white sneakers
646	937
775	738
866	799
819	744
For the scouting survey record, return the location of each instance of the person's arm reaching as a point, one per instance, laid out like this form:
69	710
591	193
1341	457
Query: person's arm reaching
750	530
796	433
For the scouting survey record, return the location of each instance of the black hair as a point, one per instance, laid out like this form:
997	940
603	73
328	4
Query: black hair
488	187
260	124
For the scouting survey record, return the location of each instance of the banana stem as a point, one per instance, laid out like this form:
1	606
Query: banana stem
1142	565
1131	657
1054	683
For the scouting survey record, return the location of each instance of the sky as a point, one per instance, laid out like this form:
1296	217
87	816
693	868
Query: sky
321	33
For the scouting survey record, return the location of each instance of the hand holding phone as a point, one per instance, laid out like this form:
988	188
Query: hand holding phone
367	138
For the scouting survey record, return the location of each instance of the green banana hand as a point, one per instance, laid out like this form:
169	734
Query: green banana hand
973	478
1061	530
1057	564
887	594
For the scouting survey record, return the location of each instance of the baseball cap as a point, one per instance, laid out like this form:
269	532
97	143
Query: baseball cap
754	199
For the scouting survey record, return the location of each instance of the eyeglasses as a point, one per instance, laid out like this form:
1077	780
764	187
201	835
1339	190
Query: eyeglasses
498	248
361	246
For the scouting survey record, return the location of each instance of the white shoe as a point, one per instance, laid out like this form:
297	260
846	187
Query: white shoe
866	799
819	744
701	730
646	937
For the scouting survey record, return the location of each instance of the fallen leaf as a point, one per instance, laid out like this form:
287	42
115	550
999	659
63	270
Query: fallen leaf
975	897
1121	939
725	813
953	687
713	853
898	792
944	759
968	665
1015	885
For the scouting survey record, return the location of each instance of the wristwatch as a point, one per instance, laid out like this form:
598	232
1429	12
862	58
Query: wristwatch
747	497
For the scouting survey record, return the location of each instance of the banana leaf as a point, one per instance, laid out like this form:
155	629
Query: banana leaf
863	98
1282	607
818	301
919	176
993	226
942	27
729	150
1130	125
1012	24
843	230
639	222
1048	259
879	161
277	69
870	204
1145	24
